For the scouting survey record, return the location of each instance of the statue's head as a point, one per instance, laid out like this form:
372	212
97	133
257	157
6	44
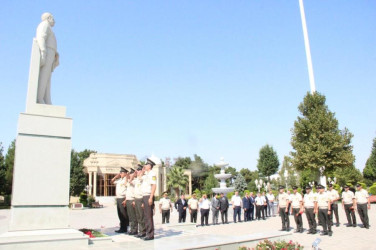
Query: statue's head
49	17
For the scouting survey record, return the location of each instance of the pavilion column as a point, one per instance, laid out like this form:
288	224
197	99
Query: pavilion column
90	182
95	184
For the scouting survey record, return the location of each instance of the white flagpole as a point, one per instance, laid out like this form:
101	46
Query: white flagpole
307	48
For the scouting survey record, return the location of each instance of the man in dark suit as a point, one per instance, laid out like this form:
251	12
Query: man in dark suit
247	207
252	206
223	207
181	205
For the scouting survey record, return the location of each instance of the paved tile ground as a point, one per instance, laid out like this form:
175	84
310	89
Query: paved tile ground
105	219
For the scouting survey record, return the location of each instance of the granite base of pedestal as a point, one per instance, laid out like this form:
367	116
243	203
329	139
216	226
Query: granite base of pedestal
43	239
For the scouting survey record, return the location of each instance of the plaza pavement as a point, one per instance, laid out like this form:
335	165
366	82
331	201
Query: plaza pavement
106	220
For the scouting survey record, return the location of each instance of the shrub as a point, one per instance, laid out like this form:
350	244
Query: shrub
372	189
90	200
83	199
229	195
278	245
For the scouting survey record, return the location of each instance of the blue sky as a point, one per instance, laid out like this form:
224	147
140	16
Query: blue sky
177	78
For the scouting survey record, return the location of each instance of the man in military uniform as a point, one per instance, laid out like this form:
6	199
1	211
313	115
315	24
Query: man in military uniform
148	189
310	203
349	205
283	204
297	209
193	207
362	198
139	206
121	180
334	197
164	207
323	208
130	204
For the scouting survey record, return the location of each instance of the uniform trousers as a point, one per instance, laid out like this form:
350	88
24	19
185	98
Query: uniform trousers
131	211
363	214
140	216
204	216
224	216
193	215
148	212
311	219
165	216
350	214
259	210
122	214
334	208
298	218
215	214
285	218
324	219
237	212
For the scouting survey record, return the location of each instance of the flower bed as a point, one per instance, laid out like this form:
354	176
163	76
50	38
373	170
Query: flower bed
276	245
92	233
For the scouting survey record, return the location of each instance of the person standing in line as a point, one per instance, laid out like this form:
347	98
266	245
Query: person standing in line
323	208
130	203
271	198
120	180
148	189
309	203
204	210
164	207
260	203
349	205
283	205
247	207
139	206
236	202
266	204
252	209
289	205
181	205
297	209
193	206
215	209
223	206
363	203
334	197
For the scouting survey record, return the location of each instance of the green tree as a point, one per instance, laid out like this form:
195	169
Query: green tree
2	170
210	182
292	176
268	162
233	172
348	175
9	165
369	172
77	176
183	162
177	180
247	174
200	171
239	183
317	140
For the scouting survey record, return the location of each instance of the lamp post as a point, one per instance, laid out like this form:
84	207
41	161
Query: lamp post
332	181
311	183
258	184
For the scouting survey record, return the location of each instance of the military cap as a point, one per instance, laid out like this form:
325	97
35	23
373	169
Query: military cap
330	185
308	187
139	166
281	187
132	170
123	170
320	186
150	162
294	187
358	185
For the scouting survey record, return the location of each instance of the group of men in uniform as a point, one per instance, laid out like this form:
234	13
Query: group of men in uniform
324	205
135	200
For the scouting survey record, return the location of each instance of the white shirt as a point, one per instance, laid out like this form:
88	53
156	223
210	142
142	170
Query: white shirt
333	194
282	199
165	203
205	204
295	200
348	197
130	192
236	200
270	197
361	196
323	200
121	187
137	187
193	203
148	179
260	200
310	199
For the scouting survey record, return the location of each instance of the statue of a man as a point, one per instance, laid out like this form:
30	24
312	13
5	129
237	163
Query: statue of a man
49	58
